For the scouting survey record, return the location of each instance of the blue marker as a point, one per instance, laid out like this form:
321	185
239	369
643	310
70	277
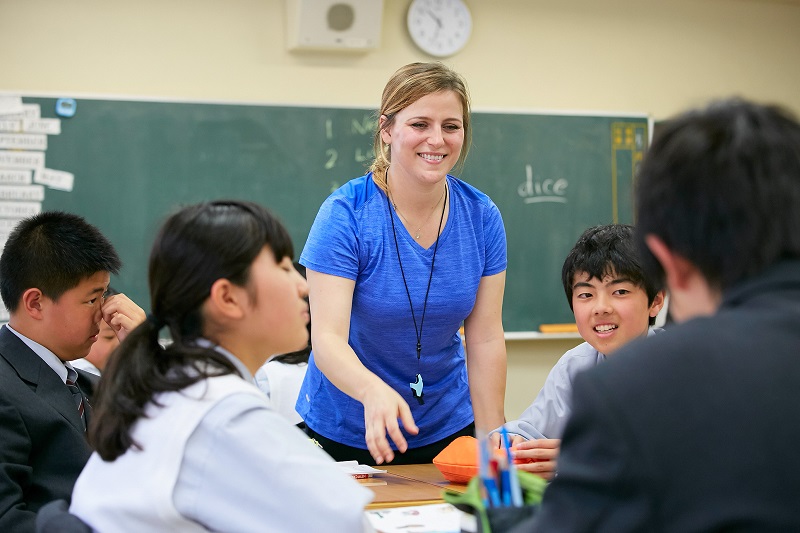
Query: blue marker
514	488
505	480
491	489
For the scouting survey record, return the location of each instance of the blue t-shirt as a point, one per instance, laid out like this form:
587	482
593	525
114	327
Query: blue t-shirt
352	238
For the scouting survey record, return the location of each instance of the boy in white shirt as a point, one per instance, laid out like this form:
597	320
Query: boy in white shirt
614	303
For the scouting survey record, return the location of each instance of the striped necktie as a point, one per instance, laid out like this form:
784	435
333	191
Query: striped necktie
72	385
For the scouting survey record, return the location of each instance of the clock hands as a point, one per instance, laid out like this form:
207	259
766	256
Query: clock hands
434	17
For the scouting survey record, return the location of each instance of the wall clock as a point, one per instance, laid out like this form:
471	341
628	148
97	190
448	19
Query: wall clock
439	27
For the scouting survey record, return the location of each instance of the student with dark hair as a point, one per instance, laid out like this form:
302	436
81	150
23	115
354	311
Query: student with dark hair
696	429
281	377
184	426
614	302
54	271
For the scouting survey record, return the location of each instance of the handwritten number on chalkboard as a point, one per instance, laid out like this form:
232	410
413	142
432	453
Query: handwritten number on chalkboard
332	156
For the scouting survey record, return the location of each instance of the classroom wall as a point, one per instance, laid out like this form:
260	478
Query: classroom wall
653	56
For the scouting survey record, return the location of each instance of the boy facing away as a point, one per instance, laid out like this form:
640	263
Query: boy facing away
54	271
696	429
614	303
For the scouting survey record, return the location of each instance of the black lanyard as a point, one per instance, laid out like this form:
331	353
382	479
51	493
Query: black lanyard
416	386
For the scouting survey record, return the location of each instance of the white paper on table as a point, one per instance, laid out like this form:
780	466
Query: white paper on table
433	518
352	468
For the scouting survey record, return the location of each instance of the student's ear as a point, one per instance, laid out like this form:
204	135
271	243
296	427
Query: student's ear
678	270
226	300
33	303
386	137
658	303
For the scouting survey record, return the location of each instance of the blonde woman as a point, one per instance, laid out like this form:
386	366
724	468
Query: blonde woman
396	261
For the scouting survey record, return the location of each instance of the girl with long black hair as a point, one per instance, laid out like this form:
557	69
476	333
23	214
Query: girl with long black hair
184	440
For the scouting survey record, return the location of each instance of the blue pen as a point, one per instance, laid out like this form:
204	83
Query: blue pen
514	488
491	489
505	481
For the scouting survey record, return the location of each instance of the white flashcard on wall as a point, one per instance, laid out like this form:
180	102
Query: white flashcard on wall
23	141
10	126
10	105
30	111
16	176
8	224
16	159
55	179
29	193
48	126
19	209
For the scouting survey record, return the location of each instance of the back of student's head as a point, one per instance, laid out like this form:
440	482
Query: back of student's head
604	251
194	248
201	244
53	252
720	186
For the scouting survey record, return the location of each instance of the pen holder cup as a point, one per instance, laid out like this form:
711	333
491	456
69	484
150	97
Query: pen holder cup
504	519
499	519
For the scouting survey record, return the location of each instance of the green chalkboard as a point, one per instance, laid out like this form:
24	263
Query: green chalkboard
136	161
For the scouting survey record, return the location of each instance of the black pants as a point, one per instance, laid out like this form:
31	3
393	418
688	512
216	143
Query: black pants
423	454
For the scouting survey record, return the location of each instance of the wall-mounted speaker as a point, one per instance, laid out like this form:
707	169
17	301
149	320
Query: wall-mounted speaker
343	25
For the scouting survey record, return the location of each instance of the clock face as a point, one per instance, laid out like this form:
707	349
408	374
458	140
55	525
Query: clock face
439	27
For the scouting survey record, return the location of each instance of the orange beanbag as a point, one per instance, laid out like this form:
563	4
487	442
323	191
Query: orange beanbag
458	462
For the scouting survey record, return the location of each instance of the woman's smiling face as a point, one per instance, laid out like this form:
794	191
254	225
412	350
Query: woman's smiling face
426	137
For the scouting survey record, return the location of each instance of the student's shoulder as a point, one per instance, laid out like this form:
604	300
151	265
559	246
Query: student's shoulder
578	358
15	393
9	374
582	351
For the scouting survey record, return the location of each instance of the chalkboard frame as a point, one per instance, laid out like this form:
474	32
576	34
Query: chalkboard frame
511	162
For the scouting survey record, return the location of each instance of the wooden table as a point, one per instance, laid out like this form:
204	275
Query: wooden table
409	485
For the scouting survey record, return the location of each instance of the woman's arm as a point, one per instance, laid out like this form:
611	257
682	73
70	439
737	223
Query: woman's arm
331	299
486	353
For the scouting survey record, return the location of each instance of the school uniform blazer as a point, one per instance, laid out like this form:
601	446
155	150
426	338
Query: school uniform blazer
695	429
43	446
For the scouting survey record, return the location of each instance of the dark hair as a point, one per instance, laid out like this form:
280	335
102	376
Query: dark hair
605	250
720	186
300	356
195	247
53	252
